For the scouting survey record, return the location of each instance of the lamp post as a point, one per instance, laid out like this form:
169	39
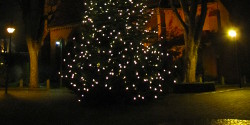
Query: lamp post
10	30
59	43
232	33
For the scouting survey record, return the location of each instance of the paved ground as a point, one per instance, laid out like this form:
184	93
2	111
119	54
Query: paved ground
224	107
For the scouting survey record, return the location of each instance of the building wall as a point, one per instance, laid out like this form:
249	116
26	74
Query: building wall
209	62
60	34
224	16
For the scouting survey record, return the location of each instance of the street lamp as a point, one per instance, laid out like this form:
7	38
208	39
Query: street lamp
59	43
232	33
10	30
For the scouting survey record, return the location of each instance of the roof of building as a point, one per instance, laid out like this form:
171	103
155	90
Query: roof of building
68	12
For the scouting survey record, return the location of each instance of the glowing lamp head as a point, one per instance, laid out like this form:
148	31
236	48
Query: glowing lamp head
10	30
232	33
58	43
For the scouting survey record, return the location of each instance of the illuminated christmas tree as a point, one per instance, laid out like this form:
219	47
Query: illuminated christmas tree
111	59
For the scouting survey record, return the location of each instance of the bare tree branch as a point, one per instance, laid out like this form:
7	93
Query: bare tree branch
184	5
178	16
45	31
193	12
201	20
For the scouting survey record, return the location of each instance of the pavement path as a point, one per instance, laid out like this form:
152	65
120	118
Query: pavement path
222	107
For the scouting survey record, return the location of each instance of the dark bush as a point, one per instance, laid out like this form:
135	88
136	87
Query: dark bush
193	88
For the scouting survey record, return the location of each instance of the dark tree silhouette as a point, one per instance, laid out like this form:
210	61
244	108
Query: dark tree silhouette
192	23
35	18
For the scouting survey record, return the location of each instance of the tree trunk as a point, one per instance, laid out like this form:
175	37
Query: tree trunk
33	53
192	24
190	59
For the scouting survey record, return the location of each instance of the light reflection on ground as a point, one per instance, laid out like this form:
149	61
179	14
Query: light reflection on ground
209	122
230	122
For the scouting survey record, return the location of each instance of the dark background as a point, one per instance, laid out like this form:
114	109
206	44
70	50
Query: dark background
10	14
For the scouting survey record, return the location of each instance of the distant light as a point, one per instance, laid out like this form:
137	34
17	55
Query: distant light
11	30
58	43
232	33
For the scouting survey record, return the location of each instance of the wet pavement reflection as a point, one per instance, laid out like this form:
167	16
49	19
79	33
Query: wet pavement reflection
209	122
230	122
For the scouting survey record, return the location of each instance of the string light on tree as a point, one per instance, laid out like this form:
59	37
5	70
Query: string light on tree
111	55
